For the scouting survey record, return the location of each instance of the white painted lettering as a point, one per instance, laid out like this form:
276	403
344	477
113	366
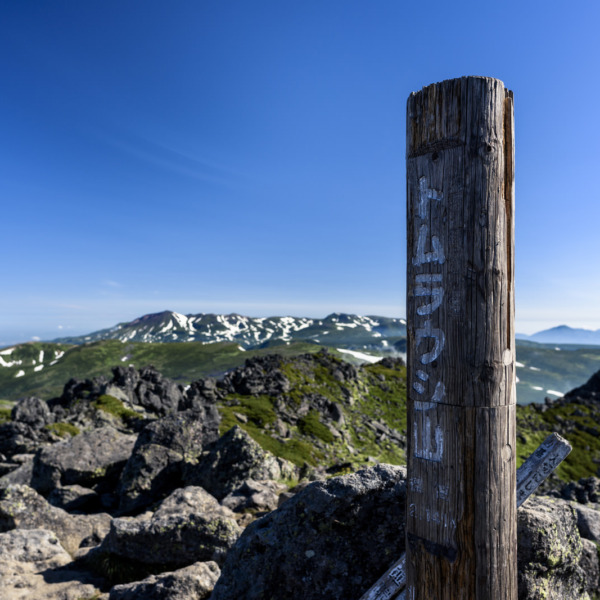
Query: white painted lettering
428	446
429	332
437	252
426	287
416	485
426	194
418	387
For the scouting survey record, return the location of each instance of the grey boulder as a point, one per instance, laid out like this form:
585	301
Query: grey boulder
23	508
155	466
331	540
90	458
233	459
551	553
588	522
33	412
195	582
252	495
75	498
34	566
189	526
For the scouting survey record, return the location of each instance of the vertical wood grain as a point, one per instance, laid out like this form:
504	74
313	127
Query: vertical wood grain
461	519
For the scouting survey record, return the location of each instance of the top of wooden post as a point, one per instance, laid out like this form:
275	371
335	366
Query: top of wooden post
450	120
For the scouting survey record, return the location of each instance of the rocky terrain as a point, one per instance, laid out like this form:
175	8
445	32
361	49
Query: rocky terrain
281	479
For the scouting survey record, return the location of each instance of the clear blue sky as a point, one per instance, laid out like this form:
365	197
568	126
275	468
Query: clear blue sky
248	156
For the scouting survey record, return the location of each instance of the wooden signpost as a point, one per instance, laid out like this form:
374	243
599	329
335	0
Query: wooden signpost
554	449
463	489
461	497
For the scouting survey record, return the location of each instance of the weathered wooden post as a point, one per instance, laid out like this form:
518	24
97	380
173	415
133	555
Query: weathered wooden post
461	518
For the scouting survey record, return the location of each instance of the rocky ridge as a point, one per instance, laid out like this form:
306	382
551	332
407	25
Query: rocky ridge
138	487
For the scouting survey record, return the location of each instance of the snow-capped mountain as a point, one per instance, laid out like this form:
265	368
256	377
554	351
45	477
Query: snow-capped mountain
248	332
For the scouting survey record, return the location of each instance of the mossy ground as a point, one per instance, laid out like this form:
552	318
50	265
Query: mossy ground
184	362
311	425
379	394
5	410
4	414
259	412
314	438
577	423
63	429
113	406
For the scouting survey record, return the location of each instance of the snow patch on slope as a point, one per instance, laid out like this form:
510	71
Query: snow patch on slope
360	355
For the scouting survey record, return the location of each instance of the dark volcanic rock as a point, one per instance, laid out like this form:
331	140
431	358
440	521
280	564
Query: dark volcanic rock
18	438
551	552
149	389
93	458
75	498
584	491
333	540
155	466
32	411
234	458
392	363
189	526
144	391
190	583
588	391
259	375
201	393
254	495
157	393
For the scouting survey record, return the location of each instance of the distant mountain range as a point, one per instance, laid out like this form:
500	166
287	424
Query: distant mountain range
186	347
337	329
563	334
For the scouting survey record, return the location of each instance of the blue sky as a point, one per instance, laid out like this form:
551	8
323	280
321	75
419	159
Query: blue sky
248	156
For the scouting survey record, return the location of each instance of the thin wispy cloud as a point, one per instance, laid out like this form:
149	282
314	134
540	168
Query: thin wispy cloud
175	161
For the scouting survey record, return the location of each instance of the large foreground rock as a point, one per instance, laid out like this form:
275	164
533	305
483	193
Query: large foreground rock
155	467
189	526
88	459
233	459
554	562
21	475
34	566
190	583
23	508
332	540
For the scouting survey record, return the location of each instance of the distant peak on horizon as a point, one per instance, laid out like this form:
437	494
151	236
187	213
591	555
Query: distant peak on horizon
564	334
